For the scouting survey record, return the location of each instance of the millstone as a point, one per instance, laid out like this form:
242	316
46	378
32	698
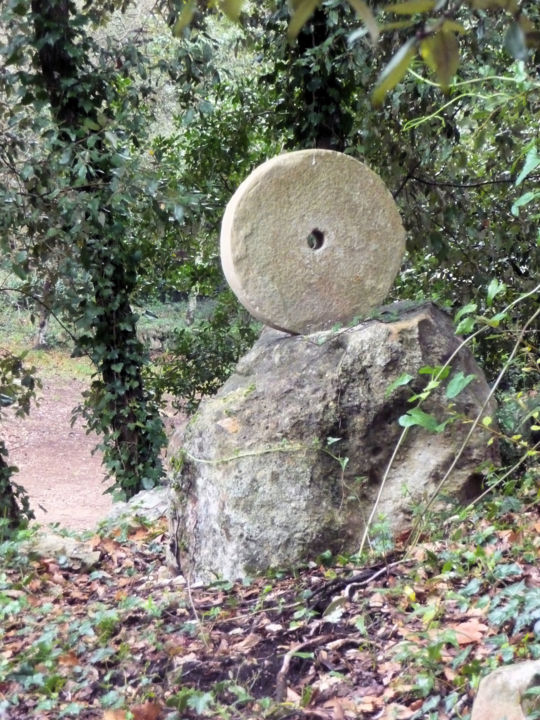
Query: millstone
310	239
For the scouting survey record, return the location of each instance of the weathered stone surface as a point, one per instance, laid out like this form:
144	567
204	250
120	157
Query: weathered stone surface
501	695
311	238
259	487
49	544
147	504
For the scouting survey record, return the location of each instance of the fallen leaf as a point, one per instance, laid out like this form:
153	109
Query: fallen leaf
449	674
273	627
395	711
247	643
68	659
147	711
293	697
376	600
469	632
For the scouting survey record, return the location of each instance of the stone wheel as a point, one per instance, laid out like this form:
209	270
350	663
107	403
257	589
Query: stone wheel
310	239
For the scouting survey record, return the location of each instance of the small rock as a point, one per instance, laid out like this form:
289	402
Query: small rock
273	628
501	695
147	504
49	544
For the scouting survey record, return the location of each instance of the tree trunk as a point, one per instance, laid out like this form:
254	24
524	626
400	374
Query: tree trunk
120	408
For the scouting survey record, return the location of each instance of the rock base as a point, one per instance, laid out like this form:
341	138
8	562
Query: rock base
286	461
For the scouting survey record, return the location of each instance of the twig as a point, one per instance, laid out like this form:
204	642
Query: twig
195	613
281	679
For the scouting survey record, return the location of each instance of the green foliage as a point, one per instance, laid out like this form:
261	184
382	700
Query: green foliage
202	356
17	390
73	186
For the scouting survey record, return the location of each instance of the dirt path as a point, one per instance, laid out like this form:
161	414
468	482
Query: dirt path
56	466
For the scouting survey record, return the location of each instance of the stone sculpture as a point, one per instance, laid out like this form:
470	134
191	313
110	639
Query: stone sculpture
310	239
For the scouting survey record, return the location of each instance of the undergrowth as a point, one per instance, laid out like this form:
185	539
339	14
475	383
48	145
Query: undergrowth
401	632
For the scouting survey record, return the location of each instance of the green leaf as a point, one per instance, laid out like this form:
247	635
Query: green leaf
200	702
394	71
367	17
510	5
232	8
334	610
524	200
453	26
421	418
410	7
440	52
496	320
465	310
397	25
404	379
515	43
495	288
457	384
184	18
112	138
303	10
532	161
466	326
439	371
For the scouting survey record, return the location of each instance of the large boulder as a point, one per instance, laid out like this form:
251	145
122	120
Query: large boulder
287	459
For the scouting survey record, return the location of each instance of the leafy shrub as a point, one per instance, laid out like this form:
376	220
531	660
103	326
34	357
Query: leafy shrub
203	355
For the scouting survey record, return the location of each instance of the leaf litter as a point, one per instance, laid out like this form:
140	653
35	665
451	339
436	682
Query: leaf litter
407	636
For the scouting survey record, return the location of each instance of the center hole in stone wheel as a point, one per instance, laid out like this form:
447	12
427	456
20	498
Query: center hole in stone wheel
315	239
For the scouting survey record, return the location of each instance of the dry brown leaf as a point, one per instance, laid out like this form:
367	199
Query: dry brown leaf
376	600
449	674
114	715
369	703
147	711
69	659
470	631
247	643
293	697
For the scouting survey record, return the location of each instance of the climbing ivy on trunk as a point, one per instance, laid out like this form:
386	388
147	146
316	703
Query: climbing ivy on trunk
73	197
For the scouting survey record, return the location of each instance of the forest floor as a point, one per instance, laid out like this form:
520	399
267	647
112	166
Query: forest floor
63	478
404	632
405	635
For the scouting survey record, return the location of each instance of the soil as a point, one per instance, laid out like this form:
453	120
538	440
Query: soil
64	480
